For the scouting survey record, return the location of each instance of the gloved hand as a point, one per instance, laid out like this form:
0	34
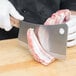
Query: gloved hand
71	41
7	9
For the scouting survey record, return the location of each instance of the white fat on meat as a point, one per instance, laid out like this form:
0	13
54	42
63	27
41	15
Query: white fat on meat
36	50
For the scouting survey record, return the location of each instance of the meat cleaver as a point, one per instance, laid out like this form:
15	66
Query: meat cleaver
52	38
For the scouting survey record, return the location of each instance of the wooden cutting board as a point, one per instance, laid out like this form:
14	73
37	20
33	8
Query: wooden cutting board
16	60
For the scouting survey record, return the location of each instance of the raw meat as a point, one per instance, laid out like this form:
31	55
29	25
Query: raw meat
59	17
36	50
35	47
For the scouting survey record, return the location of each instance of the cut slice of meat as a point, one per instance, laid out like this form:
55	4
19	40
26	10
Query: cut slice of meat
36	50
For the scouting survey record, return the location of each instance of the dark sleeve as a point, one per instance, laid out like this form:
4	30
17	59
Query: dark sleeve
36	11
17	4
68	4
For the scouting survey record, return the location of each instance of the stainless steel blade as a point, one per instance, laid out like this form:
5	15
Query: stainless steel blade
53	39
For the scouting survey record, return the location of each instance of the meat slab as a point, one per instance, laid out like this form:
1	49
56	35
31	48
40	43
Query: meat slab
37	51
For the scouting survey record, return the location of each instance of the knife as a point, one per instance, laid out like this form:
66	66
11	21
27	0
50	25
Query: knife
52	38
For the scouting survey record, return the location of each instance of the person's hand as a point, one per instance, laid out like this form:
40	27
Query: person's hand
7	10
71	40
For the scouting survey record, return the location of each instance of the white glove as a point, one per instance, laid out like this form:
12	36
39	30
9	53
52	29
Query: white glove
71	31
7	9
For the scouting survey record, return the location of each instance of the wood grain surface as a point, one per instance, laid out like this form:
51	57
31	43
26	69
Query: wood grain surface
16	60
